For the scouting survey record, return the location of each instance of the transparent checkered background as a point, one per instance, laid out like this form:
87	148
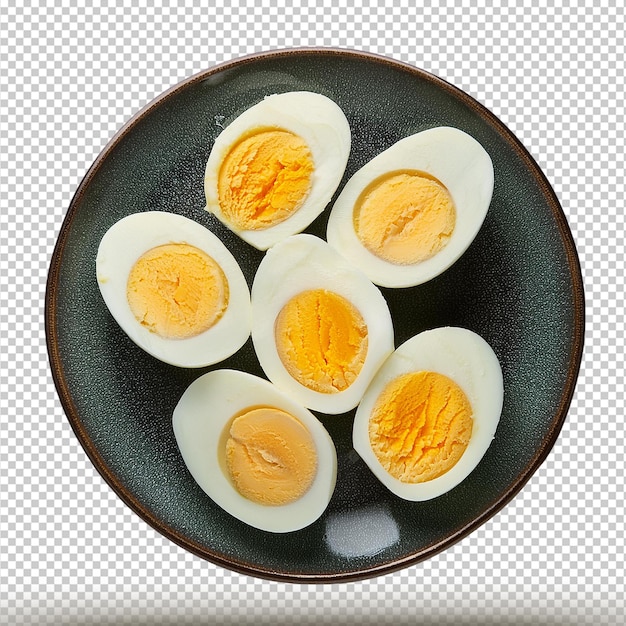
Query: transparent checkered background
70	551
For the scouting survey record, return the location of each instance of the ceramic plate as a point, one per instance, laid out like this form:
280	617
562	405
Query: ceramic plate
519	286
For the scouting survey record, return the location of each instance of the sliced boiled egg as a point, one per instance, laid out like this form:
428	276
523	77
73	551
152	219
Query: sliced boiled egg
320	327
430	413
409	213
254	451
275	168
174	288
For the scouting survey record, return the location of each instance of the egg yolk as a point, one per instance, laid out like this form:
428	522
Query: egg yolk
270	456
264	179
321	340
405	217
177	291
420	426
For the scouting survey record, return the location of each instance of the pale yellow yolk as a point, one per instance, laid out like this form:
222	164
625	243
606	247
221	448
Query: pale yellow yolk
405	217
322	340
420	426
270	456
264	179
177	291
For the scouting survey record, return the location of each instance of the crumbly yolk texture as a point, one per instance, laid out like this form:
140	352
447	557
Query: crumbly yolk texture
177	291
270	456
321	340
420	426
264	179
405	217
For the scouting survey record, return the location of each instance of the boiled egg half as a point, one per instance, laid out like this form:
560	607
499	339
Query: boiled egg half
254	451
174	288
320	327
275	168
431	412
409	213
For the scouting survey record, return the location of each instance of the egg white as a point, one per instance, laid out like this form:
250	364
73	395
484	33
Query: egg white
199	419
454	158
467	359
134	235
320	122
300	263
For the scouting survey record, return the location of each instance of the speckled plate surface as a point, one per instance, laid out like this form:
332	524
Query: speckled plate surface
519	286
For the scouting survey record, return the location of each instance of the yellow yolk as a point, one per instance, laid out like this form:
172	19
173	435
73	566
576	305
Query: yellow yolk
420	426
264	179
405	217
177	291
270	456
322	340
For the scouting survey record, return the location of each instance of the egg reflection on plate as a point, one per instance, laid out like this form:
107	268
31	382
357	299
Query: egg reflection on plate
259	455
174	288
274	169
431	412
409	213
320	327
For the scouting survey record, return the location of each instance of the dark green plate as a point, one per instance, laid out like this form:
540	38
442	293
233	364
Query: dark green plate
519	286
